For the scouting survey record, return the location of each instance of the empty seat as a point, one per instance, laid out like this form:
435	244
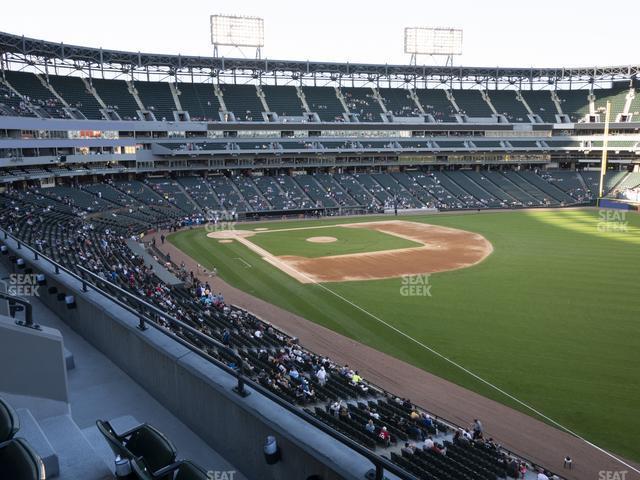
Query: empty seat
144	442
9	421
18	461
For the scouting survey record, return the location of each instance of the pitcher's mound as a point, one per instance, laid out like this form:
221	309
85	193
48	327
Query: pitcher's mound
322	239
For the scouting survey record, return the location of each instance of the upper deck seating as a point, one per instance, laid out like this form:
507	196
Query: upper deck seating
506	103
243	101
471	103
34	92
200	100
324	102
115	94
283	100
157	98
74	91
362	102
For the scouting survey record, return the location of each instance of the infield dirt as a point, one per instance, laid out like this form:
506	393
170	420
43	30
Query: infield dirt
441	249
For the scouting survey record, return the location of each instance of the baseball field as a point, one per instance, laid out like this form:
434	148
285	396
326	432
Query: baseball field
542	304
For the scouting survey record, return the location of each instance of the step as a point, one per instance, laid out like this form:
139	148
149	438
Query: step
30	430
77	457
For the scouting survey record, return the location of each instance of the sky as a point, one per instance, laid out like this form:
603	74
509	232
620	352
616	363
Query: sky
542	33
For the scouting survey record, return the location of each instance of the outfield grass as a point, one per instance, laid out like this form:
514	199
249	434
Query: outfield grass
349	240
550	317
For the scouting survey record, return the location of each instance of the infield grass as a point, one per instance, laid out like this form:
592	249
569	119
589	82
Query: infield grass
552	316
348	240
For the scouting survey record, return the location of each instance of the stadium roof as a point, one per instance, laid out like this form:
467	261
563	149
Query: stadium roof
33	51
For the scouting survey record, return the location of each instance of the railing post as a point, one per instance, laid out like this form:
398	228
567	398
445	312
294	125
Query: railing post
240	389
35	255
28	316
379	472
19	246
57	269
141	325
84	286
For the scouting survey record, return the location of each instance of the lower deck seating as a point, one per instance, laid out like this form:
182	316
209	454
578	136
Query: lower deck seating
335	394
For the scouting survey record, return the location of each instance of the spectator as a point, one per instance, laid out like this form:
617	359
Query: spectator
408	449
370	427
428	443
384	436
477	429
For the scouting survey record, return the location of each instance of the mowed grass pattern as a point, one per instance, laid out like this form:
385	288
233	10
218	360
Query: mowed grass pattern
551	316
348	240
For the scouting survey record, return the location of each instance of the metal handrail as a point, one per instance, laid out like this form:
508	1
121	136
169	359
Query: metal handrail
146	319
379	462
26	307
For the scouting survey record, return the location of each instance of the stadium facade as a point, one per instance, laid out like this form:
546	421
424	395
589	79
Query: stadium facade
129	142
77	114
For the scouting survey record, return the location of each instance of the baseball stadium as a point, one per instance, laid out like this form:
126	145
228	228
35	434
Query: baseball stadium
234	267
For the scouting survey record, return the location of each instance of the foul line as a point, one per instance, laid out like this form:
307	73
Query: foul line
244	261
467	371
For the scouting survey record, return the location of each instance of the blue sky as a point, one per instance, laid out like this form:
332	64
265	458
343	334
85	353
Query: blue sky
496	33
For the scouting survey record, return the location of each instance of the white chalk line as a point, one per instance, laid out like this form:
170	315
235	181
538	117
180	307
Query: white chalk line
244	261
467	371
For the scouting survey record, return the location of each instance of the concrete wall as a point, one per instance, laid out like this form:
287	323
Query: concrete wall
198	392
35	360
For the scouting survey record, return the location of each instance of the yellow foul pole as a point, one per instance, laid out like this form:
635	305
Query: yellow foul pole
605	144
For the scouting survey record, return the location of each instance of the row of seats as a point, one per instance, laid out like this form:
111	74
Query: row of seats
18	460
137	204
161	200
202	102
151	454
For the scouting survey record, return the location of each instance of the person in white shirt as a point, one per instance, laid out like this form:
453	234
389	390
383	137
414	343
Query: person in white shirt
428	443
542	476
370	427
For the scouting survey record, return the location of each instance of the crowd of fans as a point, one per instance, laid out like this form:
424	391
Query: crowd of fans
337	394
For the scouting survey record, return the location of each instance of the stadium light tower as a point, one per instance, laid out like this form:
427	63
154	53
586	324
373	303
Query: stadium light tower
434	41
237	31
